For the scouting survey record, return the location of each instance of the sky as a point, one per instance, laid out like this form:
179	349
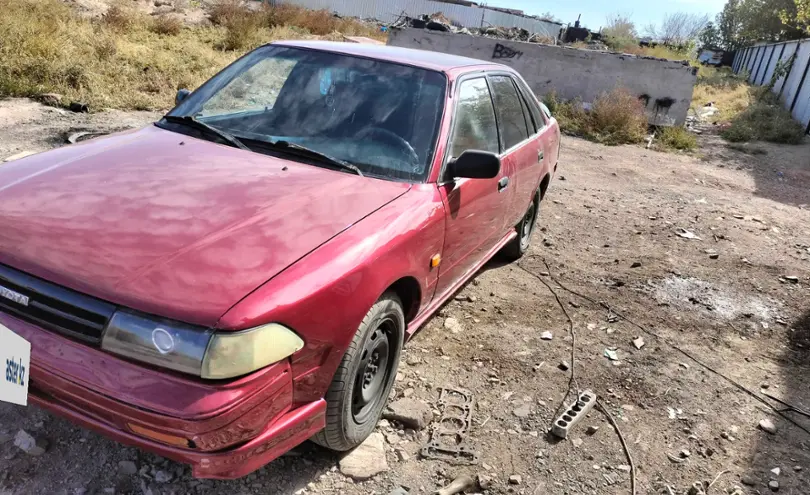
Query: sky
594	12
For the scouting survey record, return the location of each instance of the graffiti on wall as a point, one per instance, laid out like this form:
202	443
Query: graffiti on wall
502	51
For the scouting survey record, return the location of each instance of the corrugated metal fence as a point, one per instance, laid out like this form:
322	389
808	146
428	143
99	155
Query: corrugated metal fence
793	87
388	11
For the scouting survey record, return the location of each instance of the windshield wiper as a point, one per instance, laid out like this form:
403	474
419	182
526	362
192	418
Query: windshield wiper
198	124
310	153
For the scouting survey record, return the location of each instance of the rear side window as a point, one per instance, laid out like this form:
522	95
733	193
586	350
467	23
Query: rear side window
530	121
511	121
540	118
475	127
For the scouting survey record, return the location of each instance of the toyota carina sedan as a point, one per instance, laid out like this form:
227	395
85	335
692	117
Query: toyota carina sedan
240	276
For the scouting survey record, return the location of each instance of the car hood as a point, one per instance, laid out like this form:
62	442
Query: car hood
169	224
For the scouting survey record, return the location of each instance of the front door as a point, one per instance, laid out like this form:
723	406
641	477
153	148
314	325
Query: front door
520	152
475	208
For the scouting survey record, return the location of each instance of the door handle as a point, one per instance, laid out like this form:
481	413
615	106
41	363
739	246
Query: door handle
541	155
503	184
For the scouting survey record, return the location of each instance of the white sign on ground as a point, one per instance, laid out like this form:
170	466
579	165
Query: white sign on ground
15	356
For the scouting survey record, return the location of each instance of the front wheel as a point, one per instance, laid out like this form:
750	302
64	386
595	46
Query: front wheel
363	381
518	246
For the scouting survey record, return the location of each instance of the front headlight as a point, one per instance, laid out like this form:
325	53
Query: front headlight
196	350
239	353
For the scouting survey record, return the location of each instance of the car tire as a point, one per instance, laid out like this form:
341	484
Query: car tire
518	246
358	392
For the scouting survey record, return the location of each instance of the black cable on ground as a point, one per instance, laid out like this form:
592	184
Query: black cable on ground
624	445
572	379
667	342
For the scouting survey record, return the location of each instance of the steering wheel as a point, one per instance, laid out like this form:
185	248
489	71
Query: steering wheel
391	138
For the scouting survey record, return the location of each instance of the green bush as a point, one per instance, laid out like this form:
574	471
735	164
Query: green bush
765	119
676	138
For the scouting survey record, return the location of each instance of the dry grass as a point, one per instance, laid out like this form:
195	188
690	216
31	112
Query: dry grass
729	92
747	113
247	24
125	59
659	51
616	117
114	62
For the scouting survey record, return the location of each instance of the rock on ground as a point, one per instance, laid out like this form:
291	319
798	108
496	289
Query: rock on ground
453	325
367	460
30	445
127	468
410	412
767	426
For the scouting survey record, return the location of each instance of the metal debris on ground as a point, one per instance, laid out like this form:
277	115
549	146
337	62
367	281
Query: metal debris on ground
448	437
573	414
458	485
687	235
438	22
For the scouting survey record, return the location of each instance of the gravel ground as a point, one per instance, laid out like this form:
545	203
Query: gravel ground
715	314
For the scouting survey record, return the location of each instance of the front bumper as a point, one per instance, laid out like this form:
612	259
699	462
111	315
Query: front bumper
231	429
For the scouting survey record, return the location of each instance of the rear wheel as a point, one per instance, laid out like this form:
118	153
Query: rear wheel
518	246
364	379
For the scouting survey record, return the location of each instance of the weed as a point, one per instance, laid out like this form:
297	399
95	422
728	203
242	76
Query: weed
222	11
121	18
243	32
739	133
617	117
167	25
676	138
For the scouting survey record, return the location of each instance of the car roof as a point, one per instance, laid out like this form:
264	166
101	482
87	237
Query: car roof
409	56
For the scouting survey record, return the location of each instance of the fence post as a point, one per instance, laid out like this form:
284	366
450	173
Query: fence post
759	65
750	62
745	53
801	84
773	50
738	60
790	69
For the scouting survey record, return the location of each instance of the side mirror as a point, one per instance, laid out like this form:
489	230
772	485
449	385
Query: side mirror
181	95
475	164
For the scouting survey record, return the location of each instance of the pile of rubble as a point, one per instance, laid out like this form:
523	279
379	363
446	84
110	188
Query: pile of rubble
438	22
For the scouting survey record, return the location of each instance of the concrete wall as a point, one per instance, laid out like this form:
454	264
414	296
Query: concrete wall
665	86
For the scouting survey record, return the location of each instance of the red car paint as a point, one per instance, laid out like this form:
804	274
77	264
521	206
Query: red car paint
208	234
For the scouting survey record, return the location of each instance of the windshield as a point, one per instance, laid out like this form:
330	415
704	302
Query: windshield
381	117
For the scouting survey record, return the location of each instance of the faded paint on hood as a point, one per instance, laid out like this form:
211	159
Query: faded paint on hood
169	224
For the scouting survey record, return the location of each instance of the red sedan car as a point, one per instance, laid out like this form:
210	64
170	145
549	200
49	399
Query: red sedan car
241	276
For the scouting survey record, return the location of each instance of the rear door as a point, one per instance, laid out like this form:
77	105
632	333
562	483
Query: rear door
547	133
475	208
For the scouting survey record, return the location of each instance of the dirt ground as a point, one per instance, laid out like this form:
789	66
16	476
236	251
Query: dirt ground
709	310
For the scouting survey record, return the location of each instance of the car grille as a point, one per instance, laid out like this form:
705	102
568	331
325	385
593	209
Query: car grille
53	307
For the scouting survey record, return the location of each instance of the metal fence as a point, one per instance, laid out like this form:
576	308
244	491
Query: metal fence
792	85
388	11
